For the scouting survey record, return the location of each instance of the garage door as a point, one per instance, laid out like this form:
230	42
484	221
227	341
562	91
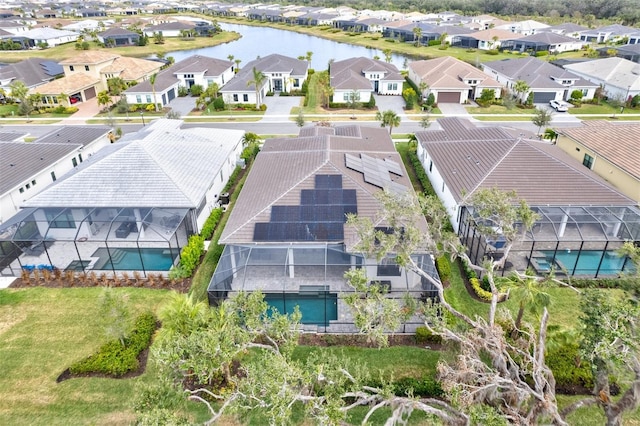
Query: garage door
543	97
90	93
449	97
172	94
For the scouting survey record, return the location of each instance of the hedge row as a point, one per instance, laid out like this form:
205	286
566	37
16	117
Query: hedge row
425	387
116	359
424	335
624	283
211	223
443	265
427	189
479	291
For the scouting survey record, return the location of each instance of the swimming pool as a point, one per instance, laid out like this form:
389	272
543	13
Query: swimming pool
315	309
132	259
588	261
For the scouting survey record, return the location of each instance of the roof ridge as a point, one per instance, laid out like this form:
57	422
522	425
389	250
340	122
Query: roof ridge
492	169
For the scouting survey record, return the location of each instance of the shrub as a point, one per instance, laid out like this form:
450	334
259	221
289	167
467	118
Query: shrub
635	101
540	53
431	100
263	107
116	359
182	91
211	223
569	372
421	174
433	43
444	267
372	103
218	103
479	291
150	108
191	254
424	387
196	90
424	335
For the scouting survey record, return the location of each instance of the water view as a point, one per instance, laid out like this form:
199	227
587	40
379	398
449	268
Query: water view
263	41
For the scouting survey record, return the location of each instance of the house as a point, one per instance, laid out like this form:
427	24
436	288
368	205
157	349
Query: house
287	236
608	33
543	41
626	51
49	37
484	40
14	26
451	80
547	82
568	29
118	37
84	25
361	77
86	75
610	150
582	219
130	207
47	13
169	29
28	168
196	69
32	72
527	27
90	13
283	74
620	78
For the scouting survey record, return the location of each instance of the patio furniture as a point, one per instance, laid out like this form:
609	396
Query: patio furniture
125	229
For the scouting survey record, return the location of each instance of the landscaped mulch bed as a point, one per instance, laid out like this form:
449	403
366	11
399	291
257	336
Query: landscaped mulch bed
81	281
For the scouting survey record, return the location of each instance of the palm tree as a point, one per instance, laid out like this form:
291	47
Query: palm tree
388	118
417	35
387	55
152	81
423	88
530	294
104	98
257	81
237	61
308	57
521	87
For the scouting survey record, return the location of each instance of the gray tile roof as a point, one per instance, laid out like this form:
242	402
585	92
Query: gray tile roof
547	38
285	166
11	136
165	167
170	26
117	31
46	33
270	63
76	135
164	80
535	72
211	67
566	28
470	158
349	73
32	71
20	161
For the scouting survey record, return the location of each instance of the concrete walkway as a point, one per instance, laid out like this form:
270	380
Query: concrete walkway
5	282
279	107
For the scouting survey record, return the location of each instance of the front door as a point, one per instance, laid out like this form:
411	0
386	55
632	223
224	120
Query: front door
277	85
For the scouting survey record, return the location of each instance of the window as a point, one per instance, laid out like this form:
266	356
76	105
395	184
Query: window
21	190
74	162
245	97
393	86
296	82
33	182
235	97
345	97
148	99
138	99
28	186
588	161
430	165
86	67
80	157
58	219
53	176
388	268
442	186
71	68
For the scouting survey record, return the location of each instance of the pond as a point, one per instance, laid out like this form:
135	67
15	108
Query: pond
262	41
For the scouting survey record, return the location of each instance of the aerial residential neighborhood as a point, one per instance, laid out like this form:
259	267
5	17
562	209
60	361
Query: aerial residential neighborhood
295	214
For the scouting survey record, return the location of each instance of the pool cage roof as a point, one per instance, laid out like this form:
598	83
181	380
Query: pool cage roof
96	224
585	223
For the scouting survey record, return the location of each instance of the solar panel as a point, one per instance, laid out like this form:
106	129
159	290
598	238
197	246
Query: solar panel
349	196
260	232
308	197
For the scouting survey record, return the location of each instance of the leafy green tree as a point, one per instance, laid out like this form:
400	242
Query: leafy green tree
577	95
530	294
158	38
115	313
541	117
104	99
300	119
257	81
388	118
18	90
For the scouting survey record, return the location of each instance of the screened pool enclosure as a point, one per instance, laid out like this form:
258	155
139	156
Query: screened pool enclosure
311	276
579	241
111	240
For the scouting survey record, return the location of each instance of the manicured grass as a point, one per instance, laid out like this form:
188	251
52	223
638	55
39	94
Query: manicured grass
43	331
171	44
603	108
8	110
500	118
498	109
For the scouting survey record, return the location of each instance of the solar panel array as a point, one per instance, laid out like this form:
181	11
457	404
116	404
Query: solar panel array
376	171
319	217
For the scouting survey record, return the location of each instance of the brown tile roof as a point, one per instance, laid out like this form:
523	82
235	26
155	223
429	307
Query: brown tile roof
447	72
469	158
89	57
285	166
131	69
488	35
67	84
617	143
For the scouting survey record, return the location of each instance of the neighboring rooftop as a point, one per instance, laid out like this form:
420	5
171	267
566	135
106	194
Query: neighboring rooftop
31	71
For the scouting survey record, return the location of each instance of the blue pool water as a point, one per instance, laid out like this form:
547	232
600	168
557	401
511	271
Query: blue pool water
588	261
129	259
315	309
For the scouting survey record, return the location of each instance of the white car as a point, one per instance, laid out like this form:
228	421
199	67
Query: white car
560	106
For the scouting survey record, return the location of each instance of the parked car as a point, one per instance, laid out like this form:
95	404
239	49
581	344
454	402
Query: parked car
73	100
560	106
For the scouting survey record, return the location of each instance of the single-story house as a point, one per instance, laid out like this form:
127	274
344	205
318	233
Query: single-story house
115	36
547	82
287	234
130	207
620	78
625	51
90	13
610	150
608	33
28	168
32	72
451	80
50	36
542	41
484	40
526	27
169	29
568	29
283	74
582	221
363	77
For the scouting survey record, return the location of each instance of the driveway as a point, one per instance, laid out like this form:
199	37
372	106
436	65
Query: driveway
453	110
183	105
279	107
390	102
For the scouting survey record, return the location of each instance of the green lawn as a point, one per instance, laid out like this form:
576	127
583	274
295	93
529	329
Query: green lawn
43	331
498	109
